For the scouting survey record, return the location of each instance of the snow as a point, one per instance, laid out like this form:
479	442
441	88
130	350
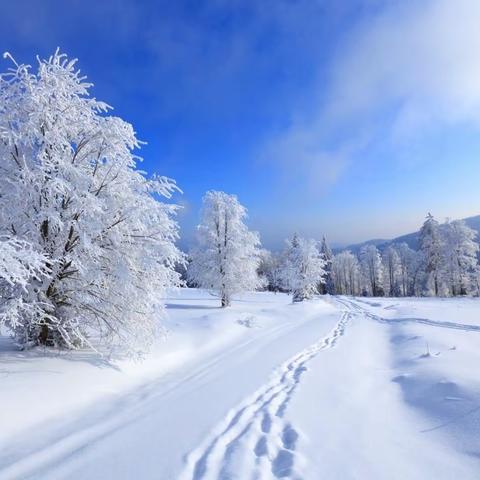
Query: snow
382	410
335	387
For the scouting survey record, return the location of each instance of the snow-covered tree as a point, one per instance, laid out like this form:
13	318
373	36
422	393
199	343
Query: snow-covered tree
391	270
408	267
75	196
328	286
372	270
460	256
346	273
476	281
431	249
303	268
269	270
227	254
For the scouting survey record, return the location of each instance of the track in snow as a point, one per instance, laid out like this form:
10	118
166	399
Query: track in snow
255	441
352	305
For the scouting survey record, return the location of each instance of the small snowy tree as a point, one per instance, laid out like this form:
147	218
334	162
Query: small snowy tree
346	273
328	286
407	264
372	270
460	254
303	268
76	199
432	252
227	254
391	269
269	270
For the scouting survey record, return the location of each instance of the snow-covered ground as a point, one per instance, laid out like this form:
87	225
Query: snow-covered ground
335	388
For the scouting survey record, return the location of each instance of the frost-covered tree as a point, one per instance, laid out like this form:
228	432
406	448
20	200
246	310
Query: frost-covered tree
346	273
408	268
328	286
303	268
391	270
75	196
372	270
227	254
460	256
431	249
476	281
270	270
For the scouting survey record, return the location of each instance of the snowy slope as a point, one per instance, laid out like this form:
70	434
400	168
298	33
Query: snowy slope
331	388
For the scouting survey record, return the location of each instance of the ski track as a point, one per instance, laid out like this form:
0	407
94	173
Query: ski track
255	437
351	304
99	425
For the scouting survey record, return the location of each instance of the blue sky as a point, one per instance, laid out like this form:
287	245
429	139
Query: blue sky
350	118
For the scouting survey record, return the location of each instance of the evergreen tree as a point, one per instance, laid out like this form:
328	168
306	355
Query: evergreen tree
328	286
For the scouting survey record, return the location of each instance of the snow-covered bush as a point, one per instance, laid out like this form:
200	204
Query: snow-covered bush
74	194
303	268
227	254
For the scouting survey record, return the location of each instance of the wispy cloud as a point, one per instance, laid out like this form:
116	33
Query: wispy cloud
420	57
409	68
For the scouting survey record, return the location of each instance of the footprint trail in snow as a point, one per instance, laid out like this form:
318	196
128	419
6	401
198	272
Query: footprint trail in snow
255	441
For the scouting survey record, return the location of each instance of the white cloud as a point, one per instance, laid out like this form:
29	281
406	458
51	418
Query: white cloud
409	68
422	56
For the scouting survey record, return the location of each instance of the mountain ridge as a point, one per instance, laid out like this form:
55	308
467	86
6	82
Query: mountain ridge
411	239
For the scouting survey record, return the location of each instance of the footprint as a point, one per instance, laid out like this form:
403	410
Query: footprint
283	464
298	372
266	423
289	437
261	422
261	448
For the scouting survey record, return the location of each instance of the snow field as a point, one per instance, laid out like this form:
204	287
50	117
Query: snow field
336	387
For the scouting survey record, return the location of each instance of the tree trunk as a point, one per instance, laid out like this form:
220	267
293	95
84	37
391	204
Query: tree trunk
43	335
225	300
